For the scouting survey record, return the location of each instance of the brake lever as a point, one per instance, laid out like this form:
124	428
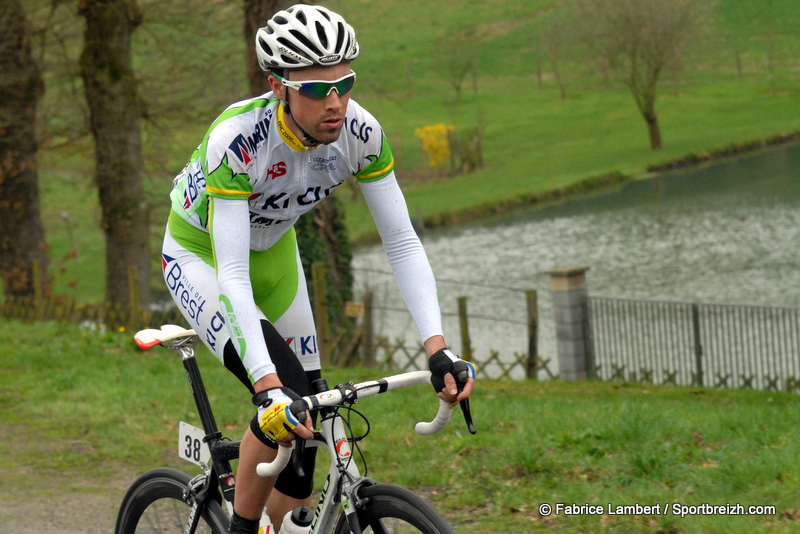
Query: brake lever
465	404
297	456
467	416
298	408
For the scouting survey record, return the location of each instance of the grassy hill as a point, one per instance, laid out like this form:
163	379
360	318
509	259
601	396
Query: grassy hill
739	85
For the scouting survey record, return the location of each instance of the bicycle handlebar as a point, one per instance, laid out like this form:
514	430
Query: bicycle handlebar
273	468
351	392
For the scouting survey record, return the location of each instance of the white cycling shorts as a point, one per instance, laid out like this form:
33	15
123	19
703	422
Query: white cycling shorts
279	288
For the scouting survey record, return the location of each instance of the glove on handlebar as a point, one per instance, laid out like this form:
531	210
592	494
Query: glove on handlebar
444	361
276	418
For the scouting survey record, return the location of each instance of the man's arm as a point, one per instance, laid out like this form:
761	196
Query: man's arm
413	273
229	225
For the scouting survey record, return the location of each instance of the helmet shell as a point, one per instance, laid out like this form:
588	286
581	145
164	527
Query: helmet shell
303	36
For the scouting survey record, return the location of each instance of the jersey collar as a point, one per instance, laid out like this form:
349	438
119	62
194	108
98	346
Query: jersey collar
287	134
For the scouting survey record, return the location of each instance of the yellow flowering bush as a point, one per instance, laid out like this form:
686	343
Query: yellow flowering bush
436	143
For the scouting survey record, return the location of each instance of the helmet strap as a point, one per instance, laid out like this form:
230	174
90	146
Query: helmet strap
307	137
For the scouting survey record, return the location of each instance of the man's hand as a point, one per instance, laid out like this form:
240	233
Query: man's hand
275	416
452	377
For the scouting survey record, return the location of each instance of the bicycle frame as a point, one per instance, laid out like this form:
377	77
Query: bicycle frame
219	475
344	477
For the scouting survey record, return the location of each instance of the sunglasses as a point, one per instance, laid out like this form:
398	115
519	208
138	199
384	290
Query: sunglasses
319	89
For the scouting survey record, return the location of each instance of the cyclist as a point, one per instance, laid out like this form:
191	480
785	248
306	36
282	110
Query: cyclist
230	257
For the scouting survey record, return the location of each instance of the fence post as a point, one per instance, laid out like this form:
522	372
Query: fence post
532	370
321	311
466	345
698	345
367	344
570	310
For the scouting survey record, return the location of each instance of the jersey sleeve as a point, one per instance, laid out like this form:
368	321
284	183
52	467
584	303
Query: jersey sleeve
230	233
405	252
379	165
226	176
375	160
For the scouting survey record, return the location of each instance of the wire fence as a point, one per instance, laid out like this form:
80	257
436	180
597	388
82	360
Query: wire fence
714	345
658	342
393	342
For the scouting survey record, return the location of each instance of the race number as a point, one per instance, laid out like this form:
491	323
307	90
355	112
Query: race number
191	446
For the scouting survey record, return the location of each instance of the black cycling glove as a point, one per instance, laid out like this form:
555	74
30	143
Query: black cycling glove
444	361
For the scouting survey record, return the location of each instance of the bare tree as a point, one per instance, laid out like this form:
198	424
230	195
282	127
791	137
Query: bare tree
640	40
22	238
115	120
459	48
555	37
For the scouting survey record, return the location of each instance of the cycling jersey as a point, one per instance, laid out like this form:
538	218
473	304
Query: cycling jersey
245	186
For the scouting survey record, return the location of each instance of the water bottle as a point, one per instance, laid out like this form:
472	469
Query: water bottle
298	521
265	525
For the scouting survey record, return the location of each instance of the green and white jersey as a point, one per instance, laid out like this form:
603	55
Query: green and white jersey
251	170
249	153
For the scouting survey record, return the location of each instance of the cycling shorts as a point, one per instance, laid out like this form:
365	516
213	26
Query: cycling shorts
279	290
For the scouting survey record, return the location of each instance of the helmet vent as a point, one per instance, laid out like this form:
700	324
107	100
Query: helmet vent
323	37
265	46
304	40
340	37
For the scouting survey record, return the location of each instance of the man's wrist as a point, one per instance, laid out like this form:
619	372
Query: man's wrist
434	344
269	381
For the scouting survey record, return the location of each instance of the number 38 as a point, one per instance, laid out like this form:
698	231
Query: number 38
192	450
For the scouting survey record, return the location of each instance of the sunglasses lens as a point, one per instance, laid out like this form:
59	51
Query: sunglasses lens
319	90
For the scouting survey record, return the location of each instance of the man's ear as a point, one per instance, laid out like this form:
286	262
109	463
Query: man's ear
276	86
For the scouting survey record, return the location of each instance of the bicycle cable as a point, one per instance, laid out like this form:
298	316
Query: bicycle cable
351	435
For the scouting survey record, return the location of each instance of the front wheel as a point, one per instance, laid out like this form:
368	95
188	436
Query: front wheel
155	504
390	509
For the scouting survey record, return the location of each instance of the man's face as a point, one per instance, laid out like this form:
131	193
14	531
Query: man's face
322	119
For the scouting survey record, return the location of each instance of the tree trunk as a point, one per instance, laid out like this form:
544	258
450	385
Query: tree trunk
115	120
22	239
653	130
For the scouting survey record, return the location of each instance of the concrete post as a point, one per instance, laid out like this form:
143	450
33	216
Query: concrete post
571	313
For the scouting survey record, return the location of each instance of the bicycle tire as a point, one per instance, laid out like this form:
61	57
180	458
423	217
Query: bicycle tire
389	509
154	503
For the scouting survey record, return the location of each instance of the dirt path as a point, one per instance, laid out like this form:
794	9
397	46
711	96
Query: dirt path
84	509
49	496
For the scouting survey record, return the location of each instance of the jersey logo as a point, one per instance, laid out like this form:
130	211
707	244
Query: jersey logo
240	149
277	170
360	131
165	261
244	147
324	164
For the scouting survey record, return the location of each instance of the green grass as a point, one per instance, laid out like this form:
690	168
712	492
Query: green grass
92	405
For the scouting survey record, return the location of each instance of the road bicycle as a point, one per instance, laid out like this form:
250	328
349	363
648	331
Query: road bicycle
168	500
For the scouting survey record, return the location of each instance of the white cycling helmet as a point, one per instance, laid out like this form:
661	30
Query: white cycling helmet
303	36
